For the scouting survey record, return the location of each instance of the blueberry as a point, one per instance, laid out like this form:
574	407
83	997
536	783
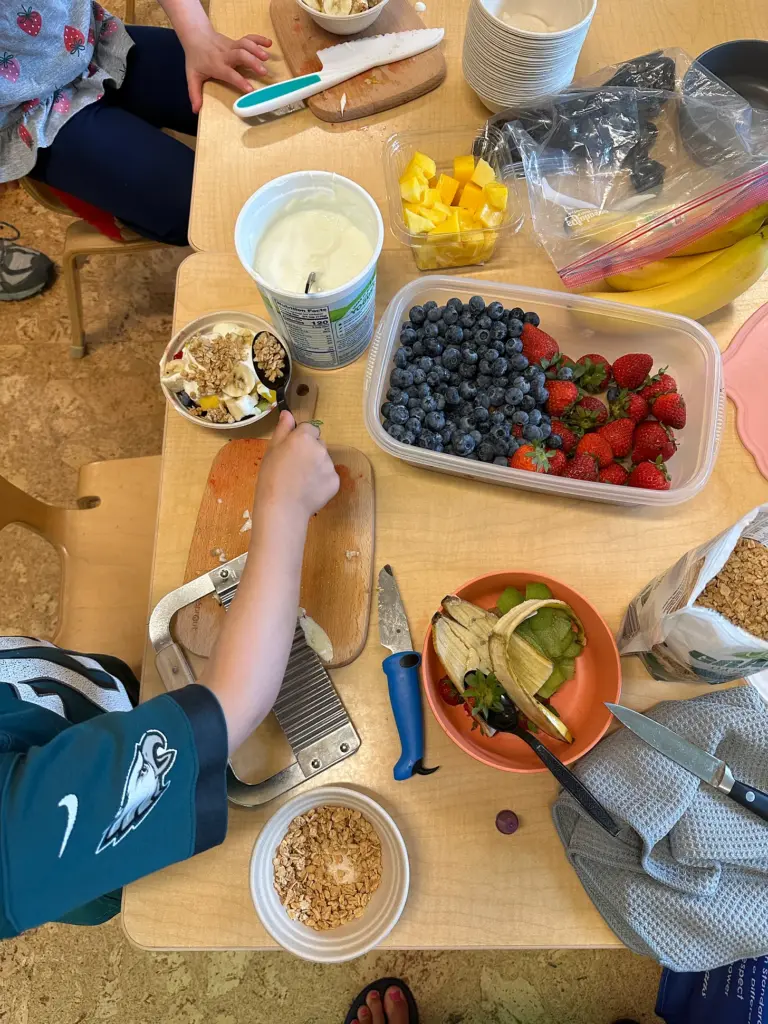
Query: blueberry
522	384
530	373
491	354
482	336
532	433
407	335
406	378
498	332
425	363
418	414
440	402
528	403
386	409
467	390
451	358
495	310
555	441
518	362
502	382
418	375
498	368
500	460
612	394
418	349
445	374
454	335
450	316
496	396
514	327
467	371
408	437
476	436
412	391
483	380
546	431
434	346
513	396
429	404
565	373
463	444
532	318
433	378
508	411
446	434
398	414
482	398
513	347
397	397
435	420
501	447
434	314
647	175
430	331
417	315
442	327
482	416
512	445
429	305
455	379
456	304
521	417
467	422
413	403
534	417
452	396
413	425
408	352
501	432
485	452
468	355
426	437
485	323
484	367
477	305
401	359
465	409
396	431
472	456
423	390
466	320
517	313
541	395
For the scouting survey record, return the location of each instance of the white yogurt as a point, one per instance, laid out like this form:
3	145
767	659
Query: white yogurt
311	239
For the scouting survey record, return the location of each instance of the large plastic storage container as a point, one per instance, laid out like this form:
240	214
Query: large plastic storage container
581	325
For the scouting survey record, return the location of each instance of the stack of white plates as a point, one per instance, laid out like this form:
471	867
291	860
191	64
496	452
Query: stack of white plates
515	50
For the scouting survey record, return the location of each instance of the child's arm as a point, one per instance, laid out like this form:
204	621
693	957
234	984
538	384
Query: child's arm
213	55
246	669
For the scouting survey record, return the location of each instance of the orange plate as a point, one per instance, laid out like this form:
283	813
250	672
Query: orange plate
580	701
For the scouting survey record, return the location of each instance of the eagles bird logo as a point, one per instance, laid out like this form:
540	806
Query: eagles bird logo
145	783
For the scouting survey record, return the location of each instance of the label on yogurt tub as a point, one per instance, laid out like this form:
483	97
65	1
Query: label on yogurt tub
325	337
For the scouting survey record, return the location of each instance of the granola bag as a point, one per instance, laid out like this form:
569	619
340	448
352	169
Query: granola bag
706	618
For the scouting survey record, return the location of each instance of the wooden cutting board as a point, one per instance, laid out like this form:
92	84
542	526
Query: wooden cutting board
337	575
379	89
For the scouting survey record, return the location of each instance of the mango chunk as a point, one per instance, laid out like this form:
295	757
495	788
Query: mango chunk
447	187
442	208
466	219
432	215
209	402
463	168
417	225
471	197
450	226
489	217
426	163
483	174
431	196
496	195
412	188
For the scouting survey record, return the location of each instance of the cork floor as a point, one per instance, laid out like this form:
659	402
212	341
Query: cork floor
57	414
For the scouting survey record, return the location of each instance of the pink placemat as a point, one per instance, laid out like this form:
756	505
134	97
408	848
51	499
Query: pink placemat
746	384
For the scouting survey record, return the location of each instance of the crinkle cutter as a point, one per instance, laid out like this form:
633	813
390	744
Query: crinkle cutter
308	708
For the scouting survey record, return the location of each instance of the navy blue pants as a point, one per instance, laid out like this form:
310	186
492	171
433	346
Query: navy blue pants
114	155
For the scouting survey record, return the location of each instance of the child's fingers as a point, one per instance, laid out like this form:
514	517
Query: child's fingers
232	77
251	44
311	429
285	426
195	88
260	40
239	57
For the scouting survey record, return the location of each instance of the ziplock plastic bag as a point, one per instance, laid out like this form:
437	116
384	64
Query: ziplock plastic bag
636	163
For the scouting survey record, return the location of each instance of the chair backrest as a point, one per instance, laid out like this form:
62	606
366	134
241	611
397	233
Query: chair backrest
45	196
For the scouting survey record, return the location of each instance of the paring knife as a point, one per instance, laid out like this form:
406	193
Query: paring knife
710	769
340	62
402	671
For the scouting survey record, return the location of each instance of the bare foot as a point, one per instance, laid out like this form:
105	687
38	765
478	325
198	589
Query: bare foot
394	1010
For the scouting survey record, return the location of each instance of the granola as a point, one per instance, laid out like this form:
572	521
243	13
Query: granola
739	592
270	355
327	867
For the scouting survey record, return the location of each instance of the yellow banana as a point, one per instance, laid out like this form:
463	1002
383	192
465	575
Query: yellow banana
717	283
741	227
659	272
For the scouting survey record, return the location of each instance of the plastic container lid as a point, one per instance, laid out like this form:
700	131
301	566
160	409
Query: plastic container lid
581	325
382	913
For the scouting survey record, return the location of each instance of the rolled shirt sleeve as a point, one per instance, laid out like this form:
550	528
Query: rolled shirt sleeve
108	801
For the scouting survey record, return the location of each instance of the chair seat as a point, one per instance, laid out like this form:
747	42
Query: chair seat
83	238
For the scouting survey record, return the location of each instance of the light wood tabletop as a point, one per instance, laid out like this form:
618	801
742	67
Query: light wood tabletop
470	885
234	157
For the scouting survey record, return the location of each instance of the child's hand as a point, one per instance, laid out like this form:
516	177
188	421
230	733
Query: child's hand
213	55
297	471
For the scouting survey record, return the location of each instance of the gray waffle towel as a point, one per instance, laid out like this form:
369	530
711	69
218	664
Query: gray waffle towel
686	880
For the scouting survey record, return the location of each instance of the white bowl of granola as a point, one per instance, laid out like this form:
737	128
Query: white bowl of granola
343	17
329	875
208	370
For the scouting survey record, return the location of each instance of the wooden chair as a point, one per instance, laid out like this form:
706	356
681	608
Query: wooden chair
105	546
129	15
81	240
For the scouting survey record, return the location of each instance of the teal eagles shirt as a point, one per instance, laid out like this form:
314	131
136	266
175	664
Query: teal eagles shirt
94	791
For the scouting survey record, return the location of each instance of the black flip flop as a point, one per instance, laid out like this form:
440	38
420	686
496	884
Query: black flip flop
381	987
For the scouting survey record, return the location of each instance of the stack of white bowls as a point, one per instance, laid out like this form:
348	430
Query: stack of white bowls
515	50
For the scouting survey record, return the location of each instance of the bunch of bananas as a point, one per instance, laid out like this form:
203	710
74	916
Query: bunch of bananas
704	276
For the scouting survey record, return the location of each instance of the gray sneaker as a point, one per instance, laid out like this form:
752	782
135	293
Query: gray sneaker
23	272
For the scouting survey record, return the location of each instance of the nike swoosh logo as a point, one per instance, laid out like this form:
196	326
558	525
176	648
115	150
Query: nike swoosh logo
70	803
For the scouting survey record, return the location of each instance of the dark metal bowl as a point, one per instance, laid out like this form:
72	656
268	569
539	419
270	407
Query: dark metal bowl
742	64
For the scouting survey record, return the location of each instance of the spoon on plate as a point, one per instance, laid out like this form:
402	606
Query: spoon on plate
507	720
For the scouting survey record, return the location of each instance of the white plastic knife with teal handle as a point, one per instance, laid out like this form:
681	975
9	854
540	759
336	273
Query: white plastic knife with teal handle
338	64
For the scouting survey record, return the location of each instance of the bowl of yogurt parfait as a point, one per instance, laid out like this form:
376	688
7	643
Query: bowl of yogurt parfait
208	371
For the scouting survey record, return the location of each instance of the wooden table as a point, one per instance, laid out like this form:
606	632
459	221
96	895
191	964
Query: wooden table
471	886
235	158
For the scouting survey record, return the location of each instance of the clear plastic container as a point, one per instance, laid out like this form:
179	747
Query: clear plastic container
477	245
581	325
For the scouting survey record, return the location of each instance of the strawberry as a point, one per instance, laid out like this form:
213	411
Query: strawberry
91	37
517	430
531	457
98	12
660	384
563	394
565	433
587	414
9	67
538	345
618	434
24	135
29	21
613	473
557	462
61	102
74	40
448	692
631	405
28	105
596	446
630	371
651	475
597	373
670	409
581	467
650	440
110	26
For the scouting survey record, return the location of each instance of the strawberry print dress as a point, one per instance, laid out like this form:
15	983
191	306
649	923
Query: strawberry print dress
56	57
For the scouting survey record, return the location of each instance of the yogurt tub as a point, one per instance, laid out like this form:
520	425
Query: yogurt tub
322	223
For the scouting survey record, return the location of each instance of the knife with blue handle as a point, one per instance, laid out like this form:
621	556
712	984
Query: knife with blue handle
708	768
402	671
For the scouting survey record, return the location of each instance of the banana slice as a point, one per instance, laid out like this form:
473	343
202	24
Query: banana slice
358	6
172	376
243	381
315	5
242	407
337	6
